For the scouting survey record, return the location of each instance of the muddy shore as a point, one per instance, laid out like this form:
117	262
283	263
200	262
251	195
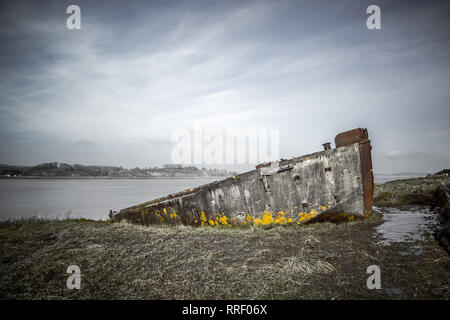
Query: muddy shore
315	261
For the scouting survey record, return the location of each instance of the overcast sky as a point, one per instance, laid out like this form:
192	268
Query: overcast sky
113	92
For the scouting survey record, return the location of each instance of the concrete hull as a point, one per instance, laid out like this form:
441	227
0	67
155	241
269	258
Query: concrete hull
338	180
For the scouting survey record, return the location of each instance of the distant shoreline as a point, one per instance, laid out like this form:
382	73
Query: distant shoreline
105	178
57	170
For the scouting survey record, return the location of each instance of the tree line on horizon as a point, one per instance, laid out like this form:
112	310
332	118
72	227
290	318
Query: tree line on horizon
57	169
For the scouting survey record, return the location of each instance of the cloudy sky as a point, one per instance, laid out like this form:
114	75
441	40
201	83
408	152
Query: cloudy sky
113	92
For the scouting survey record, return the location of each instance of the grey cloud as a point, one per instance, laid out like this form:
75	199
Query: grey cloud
402	155
438	133
85	143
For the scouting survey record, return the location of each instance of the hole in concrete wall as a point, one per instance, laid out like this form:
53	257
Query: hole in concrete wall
221	201
265	183
297	178
327	169
305	204
336	198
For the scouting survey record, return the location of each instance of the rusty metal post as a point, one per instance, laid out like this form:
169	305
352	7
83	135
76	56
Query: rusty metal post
326	146
362	136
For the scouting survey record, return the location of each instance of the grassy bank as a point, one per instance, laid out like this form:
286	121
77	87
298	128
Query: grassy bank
123	261
409	191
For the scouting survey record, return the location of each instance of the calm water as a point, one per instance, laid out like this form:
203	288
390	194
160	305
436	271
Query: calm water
408	224
415	223
87	198
382	178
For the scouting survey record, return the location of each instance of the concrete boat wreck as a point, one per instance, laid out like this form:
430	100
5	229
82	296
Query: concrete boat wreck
333	181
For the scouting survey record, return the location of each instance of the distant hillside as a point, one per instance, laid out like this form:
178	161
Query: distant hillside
443	172
56	169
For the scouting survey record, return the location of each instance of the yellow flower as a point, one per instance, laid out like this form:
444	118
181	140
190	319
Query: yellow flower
223	220
202	217
211	222
281	217
267	218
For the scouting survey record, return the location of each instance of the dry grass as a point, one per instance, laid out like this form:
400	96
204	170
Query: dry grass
123	261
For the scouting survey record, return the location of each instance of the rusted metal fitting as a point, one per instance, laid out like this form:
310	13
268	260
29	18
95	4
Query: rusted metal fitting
350	137
262	165
326	146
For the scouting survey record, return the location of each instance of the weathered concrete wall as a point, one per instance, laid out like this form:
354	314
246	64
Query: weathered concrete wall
284	191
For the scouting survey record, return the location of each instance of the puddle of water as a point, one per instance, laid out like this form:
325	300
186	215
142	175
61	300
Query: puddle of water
407	224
